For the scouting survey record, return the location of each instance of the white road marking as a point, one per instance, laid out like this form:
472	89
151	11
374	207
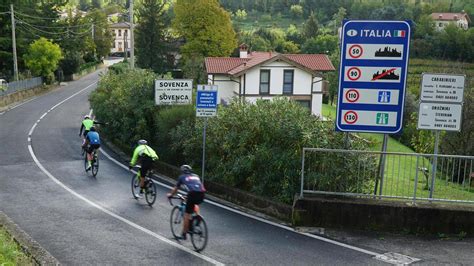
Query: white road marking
143	229
368	252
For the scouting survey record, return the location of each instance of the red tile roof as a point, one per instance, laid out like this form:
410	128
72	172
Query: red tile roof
316	62
235	65
449	16
222	65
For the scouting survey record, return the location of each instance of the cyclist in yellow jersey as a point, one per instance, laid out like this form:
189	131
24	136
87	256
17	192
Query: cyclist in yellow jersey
86	125
146	155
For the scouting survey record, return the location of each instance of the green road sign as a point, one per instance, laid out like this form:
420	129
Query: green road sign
382	118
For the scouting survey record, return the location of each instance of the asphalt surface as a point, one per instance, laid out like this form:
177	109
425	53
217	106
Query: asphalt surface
84	220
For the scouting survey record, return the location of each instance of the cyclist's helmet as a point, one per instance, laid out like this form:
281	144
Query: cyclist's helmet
142	142
87	117
186	169
92	128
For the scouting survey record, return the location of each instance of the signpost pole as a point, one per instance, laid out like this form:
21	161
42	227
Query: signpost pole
204	149
434	164
383	157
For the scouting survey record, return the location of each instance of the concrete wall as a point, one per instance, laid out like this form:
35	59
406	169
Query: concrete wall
378	215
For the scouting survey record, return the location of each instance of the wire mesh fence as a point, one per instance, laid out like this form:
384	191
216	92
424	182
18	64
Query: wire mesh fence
21	85
401	175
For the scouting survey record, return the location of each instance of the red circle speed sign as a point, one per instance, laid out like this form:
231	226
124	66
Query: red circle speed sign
350	117
352	95
355	51
353	73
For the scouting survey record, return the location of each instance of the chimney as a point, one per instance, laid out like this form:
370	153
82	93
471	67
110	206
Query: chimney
440	16
243	50
455	17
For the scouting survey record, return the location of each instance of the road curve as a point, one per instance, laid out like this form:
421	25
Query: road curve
85	220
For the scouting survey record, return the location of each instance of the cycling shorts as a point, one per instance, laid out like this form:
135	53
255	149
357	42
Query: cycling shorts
194	197
92	147
146	163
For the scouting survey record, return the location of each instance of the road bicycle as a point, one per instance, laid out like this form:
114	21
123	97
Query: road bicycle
94	162
149	190
197	226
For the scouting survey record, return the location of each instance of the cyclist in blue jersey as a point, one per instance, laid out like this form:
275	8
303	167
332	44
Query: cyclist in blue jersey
91	143
192	184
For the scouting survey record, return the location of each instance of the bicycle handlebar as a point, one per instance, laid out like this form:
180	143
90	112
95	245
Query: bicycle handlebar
178	196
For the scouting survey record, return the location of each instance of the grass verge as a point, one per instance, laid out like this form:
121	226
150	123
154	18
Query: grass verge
10	251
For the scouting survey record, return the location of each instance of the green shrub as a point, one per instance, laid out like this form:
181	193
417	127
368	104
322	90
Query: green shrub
119	68
257	147
126	103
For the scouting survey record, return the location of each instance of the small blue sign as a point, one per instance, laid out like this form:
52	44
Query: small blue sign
206	101
384	96
374	61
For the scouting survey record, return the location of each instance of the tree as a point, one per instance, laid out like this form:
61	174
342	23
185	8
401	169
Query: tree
311	26
151	36
205	26
241	14
43	57
296	11
102	36
322	44
338	17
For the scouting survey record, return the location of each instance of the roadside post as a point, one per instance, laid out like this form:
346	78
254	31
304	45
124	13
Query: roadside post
372	79
441	100
206	106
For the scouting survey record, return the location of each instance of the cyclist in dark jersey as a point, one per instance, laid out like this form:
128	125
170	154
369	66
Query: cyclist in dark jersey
192	184
92	143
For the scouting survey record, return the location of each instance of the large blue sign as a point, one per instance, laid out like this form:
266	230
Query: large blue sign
372	77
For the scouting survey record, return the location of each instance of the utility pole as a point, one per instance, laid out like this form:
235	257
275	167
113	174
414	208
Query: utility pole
125	44
132	43
93	40
15	62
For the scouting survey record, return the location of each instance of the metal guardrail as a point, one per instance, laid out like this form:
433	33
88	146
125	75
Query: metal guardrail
21	85
404	175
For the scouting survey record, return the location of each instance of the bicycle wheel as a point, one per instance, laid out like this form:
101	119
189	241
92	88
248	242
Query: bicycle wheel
176	220
199	233
95	164
135	186
150	194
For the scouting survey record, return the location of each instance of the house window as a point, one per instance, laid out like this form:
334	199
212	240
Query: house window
306	104
113	44
120	32
113	32
125	32
288	81
264	81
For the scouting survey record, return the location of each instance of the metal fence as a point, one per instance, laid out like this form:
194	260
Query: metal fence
410	176
20	85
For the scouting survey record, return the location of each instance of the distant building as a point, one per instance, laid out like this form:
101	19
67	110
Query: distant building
121	34
265	75
71	13
441	20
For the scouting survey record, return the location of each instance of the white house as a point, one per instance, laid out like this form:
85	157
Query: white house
441	20
121	34
265	75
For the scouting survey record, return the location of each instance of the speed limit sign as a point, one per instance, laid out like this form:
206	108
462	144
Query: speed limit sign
353	73
355	51
352	95
350	117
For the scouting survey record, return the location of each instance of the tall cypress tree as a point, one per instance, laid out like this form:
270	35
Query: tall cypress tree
311	26
151	42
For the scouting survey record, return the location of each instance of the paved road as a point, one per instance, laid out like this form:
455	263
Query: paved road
85	220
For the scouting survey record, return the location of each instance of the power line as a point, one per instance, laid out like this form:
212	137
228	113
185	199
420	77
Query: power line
30	16
55	33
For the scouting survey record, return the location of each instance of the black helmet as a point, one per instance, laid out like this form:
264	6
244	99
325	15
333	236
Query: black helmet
186	169
142	142
92	128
